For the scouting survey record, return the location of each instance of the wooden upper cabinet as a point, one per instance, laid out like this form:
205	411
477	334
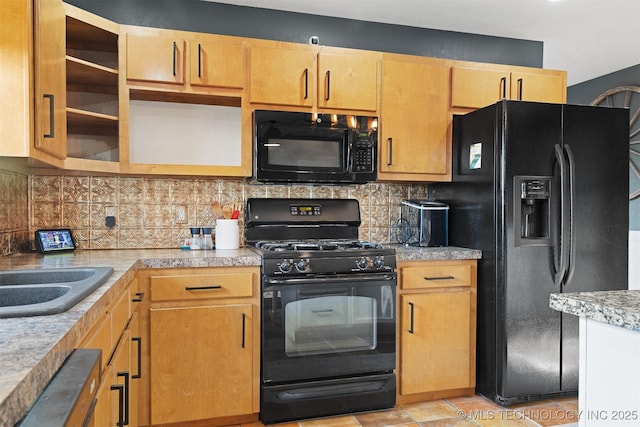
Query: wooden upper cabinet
160	56
475	88
347	81
50	76
282	76
302	76
216	64
539	87
155	59
413	140
478	87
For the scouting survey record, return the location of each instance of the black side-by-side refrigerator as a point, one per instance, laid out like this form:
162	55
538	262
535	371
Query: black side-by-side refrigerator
542	190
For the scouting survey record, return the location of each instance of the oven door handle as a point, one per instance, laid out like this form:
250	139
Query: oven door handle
332	279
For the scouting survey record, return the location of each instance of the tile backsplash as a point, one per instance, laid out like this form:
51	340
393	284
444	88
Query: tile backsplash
14	212
146	207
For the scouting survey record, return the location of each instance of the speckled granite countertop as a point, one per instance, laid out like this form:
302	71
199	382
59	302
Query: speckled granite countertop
33	348
416	253
618	308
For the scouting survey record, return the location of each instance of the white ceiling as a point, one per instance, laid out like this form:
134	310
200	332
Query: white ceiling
587	38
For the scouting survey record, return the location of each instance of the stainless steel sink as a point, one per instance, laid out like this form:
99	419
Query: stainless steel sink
47	291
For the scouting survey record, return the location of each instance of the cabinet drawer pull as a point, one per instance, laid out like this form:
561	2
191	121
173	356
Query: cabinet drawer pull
120	389
411	319
199	60
503	83
244	317
202	288
306	83
440	278
139	297
125	398
175	48
327	93
139	341
390	144
519	89
52	109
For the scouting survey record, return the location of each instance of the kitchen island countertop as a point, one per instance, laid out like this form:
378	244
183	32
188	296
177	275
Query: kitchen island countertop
617	308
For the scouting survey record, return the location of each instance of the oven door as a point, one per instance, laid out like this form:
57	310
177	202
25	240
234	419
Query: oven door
327	327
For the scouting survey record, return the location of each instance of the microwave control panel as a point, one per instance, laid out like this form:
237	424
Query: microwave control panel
363	159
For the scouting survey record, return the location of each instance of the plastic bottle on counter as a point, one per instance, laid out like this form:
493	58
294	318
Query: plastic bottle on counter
195	238
207	240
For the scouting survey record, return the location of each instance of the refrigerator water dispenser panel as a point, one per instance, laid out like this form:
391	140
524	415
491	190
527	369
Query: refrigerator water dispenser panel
532	210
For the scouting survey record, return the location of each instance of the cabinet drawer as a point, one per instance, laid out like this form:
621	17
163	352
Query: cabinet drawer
120	314
435	276
201	286
100	338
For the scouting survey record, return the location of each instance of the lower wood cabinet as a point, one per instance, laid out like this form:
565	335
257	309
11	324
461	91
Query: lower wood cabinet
204	353
436	329
209	372
116	334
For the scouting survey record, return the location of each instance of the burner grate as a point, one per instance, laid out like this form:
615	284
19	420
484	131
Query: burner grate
316	245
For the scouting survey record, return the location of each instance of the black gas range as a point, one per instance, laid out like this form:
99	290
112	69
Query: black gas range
327	310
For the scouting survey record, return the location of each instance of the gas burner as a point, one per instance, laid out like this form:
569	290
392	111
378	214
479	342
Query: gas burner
316	245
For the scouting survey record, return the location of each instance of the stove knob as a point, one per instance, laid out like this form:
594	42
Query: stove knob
378	262
301	264
362	263
285	266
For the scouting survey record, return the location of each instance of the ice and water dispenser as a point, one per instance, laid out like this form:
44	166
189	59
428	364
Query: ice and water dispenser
532	210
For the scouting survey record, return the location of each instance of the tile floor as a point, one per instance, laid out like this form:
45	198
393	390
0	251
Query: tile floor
457	412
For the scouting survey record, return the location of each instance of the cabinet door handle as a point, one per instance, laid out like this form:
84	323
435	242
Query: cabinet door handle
306	83
202	288
440	278
411	318
125	398
120	389
139	341
244	327
52	110
520	89
327	92
503	83
175	48
199	60
390	144
139	297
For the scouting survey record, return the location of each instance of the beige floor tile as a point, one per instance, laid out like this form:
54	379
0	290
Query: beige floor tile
550	414
501	418
430	411
345	421
449	422
384	418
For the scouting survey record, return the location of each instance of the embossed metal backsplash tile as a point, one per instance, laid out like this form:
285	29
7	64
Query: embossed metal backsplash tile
14	212
146	209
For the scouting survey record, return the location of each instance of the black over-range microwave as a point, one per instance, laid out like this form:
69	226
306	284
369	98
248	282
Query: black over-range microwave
297	147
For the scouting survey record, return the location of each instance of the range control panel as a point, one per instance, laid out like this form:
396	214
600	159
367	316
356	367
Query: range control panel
305	210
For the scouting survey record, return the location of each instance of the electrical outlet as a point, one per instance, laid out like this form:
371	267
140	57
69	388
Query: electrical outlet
181	214
110	216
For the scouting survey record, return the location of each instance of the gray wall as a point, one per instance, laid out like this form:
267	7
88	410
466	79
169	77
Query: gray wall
218	18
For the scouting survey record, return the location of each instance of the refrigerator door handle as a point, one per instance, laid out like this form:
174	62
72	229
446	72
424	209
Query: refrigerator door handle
562	267
572	199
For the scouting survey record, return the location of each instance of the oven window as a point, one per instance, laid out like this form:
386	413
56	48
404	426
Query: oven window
330	324
307	153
